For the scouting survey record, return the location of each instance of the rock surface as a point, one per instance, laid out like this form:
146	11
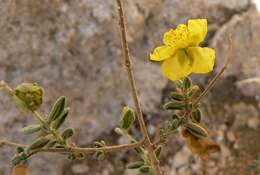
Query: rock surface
72	48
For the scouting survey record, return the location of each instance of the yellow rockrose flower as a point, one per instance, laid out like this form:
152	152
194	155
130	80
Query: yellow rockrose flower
181	54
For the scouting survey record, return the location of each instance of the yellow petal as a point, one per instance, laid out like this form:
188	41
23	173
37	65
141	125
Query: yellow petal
197	31
177	66
161	53
203	59
177	38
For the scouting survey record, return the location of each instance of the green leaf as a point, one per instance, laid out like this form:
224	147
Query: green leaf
21	158
38	143
67	133
177	96
19	149
57	109
196	130
31	129
51	143
99	144
187	83
158	151
127	118
194	90
100	155
60	120
135	165
196	114
145	169
139	151
174	106
175	124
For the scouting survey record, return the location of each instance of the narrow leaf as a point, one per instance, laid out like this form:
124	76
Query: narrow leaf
57	109
196	130
60	120
31	129
38	143
135	165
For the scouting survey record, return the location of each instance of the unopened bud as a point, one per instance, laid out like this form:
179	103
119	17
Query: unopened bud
28	96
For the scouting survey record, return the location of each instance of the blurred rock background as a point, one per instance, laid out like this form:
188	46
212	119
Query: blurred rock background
72	48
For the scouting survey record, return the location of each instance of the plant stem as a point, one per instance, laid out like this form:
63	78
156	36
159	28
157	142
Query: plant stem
10	143
68	148
71	149
52	131
128	65
213	81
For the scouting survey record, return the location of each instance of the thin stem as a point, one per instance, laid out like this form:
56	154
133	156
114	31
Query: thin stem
90	150
10	143
213	81
7	88
129	70
128	65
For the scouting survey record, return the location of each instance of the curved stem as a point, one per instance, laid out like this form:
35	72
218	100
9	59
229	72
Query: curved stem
213	81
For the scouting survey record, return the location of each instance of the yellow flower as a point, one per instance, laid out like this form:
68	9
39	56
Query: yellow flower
181	54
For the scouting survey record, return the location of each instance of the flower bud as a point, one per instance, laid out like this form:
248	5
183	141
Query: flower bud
28	96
